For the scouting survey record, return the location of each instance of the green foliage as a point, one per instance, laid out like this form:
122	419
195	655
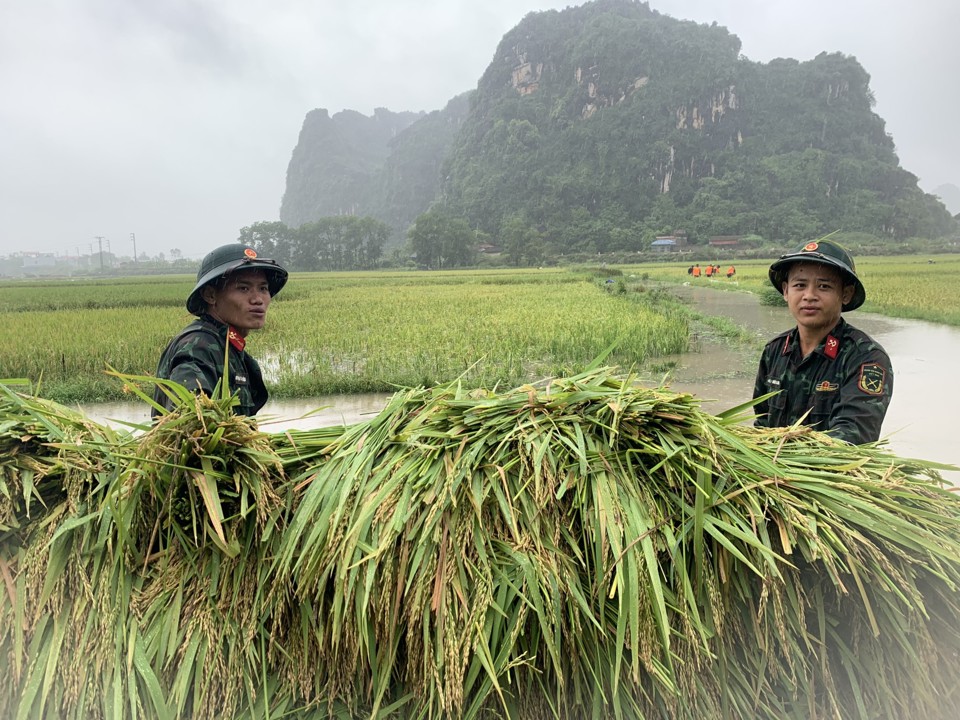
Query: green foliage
410	178
770	297
523	244
604	125
442	241
582	547
272	240
345	242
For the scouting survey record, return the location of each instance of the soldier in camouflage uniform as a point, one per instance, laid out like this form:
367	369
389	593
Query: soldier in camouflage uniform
233	291
823	366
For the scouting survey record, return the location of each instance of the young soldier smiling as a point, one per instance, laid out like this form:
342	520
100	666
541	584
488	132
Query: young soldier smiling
823	366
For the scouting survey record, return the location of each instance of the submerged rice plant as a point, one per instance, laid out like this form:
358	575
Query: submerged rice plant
581	547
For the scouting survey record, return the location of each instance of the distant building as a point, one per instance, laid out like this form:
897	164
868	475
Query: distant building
488	249
668	243
34	260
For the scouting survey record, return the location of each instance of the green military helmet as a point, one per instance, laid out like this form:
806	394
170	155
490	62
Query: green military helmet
230	258
825	252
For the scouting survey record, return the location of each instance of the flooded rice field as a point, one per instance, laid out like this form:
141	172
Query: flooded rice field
922	421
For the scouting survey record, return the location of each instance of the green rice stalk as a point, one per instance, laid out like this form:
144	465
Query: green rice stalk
581	547
597	548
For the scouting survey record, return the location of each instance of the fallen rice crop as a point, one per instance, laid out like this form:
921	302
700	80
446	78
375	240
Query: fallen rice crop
580	547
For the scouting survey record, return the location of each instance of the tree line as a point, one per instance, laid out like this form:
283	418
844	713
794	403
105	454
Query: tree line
344	242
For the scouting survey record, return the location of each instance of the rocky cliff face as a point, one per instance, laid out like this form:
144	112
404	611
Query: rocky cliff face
336	163
602	123
386	166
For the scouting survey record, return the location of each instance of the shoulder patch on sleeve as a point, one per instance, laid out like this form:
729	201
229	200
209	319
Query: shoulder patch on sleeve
873	378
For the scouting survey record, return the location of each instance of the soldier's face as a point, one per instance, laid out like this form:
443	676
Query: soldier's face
242	302
815	294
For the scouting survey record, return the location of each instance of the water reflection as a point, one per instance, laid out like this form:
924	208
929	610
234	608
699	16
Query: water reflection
276	415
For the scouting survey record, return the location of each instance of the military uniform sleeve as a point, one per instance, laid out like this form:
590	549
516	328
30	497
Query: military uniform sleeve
865	392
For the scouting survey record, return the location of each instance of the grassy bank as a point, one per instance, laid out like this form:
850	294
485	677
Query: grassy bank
917	286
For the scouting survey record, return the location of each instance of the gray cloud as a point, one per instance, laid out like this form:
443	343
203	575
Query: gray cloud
175	120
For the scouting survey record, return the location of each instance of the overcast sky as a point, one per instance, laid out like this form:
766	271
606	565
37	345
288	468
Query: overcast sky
175	119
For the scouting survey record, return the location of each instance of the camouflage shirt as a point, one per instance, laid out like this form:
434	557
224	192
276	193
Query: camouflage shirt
846	383
194	358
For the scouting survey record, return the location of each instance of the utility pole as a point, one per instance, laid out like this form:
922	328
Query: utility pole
99	239
133	239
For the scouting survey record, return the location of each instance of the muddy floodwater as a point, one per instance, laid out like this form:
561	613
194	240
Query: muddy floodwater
924	414
922	421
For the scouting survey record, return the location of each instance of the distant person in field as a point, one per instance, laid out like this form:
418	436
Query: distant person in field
696	270
708	271
233	291
823	366
731	271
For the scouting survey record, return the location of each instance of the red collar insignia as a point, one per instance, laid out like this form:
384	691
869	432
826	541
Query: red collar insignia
786	345
832	347
236	339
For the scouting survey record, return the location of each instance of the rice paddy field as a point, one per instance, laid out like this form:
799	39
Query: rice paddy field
350	332
922	287
331	333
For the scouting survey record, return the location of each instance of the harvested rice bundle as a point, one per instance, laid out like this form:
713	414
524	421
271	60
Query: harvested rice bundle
596	548
200	473
54	465
158	582
299	448
201	504
585	547
35	437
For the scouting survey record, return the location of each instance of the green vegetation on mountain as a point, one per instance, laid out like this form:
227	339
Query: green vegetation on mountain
596	128
410	178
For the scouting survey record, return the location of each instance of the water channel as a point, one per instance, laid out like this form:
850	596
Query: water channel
922	421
